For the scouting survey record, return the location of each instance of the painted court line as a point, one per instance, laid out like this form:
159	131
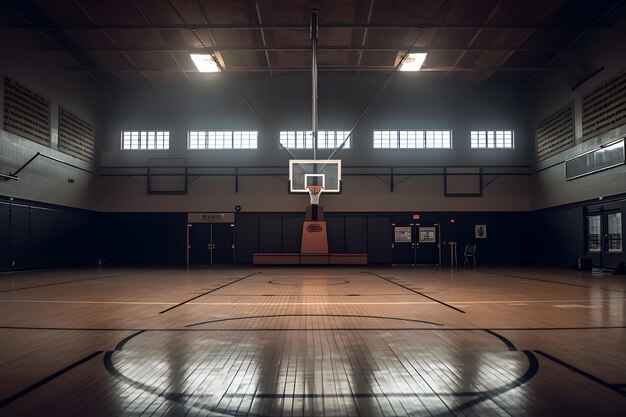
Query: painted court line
458	303
44	381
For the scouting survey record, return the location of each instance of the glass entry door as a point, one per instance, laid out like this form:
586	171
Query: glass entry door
605	239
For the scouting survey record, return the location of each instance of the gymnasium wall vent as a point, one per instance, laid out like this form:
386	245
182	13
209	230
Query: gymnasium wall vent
76	136
26	113
555	133
604	108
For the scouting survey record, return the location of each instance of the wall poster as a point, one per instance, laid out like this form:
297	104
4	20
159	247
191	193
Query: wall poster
480	231
428	235
402	234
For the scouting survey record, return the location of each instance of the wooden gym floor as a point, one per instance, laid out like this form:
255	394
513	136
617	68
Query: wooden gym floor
312	341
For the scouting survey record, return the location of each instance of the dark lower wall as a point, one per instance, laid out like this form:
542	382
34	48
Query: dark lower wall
558	236
38	236
35	235
372	233
144	238
559	233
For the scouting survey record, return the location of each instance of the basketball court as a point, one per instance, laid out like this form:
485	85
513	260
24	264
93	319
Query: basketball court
312	208
334	341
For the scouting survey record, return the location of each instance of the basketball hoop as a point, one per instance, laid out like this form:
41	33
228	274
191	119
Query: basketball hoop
315	191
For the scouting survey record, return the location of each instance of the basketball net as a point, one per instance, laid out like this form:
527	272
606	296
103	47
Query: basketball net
315	191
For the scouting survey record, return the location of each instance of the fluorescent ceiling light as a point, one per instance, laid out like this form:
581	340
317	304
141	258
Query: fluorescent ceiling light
413	62
204	63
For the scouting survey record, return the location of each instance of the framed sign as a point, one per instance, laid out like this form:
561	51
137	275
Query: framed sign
480	231
402	234
427	235
210	217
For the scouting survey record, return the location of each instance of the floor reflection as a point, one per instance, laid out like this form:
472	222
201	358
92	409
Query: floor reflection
315	373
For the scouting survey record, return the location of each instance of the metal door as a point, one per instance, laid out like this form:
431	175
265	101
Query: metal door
211	243
199	248
428	244
403	246
223	243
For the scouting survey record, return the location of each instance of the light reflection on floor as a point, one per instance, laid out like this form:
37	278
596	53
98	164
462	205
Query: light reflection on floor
332	342
256	373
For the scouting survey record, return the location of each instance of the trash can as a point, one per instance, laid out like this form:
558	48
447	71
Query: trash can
583	264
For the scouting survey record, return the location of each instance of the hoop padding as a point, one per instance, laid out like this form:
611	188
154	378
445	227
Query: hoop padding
315	192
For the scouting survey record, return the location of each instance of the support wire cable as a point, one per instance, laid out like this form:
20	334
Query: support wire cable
380	90
232	83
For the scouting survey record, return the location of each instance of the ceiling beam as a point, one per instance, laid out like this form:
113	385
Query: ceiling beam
327	68
471	43
299	26
161	40
581	35
369	19
261	34
279	48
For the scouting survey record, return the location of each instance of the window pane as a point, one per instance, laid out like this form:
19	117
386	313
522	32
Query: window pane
491	139
223	139
145	140
326	139
614	221
412	139
593	233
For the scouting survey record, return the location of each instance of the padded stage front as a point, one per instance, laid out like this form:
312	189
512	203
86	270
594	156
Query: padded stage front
309	259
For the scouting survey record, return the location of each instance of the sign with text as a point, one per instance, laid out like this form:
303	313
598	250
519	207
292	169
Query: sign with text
210	217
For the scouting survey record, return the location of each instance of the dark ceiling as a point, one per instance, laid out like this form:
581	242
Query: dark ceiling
148	41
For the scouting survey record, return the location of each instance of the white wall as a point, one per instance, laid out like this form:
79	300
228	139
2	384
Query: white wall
604	48
411	101
364	194
45	73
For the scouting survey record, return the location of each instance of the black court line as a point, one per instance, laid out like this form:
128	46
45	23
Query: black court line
183	398
69	282
612	387
533	368
391	329
313	315
504	340
552	282
417	292
123	342
44	381
205	293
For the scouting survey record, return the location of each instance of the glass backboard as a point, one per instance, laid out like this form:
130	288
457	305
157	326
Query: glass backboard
305	172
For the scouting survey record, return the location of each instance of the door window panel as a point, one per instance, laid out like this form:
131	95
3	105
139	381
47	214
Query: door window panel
614	221
593	233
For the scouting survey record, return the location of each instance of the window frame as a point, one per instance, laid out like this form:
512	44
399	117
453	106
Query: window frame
165	139
306	137
223	137
419	137
494	139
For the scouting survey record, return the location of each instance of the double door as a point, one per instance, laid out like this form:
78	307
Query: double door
211	243
604	232
415	244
